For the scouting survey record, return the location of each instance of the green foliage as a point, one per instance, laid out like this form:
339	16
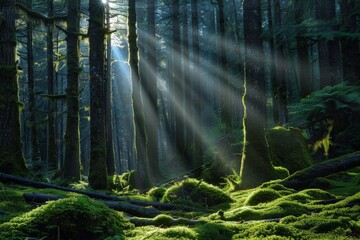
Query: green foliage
331	117
261	195
156	193
69	218
196	191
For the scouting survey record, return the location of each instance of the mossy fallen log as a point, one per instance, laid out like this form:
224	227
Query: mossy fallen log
164	220
7	178
119	206
302	179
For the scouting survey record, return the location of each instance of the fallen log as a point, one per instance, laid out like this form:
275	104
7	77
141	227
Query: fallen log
7	178
302	179
168	223
36	198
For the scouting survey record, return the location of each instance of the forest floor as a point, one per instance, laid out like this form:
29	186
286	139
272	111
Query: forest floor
270	211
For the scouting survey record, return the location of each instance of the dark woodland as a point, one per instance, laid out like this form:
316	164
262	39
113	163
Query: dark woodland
179	119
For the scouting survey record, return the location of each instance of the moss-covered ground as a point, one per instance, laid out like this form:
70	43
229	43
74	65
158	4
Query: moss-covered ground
270	211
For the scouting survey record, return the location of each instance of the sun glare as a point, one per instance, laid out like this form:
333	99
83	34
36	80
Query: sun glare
104	1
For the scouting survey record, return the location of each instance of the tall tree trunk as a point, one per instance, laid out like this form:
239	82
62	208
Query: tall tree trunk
177	97
306	85
224	79
108	100
142	177
329	50
256	166
72	139
97	167
350	47
197	128
11	155
274	85
150	82
188	110
35	151
52	155
282	91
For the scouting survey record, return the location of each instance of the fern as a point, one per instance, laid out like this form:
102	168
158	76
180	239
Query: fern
327	113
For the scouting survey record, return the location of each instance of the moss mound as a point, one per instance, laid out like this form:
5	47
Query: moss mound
69	218
268	231
195	191
261	196
172	233
156	193
288	148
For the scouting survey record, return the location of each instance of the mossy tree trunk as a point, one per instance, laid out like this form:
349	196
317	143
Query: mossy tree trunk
256	166
11	155
72	138
97	166
51	154
197	129
142	179
35	150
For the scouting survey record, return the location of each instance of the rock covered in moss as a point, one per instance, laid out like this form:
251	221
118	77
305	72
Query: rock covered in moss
156	193
196	191
261	196
288	148
68	218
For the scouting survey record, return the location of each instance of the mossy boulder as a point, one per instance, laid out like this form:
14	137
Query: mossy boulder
193	190
156	193
68	218
261	196
288	148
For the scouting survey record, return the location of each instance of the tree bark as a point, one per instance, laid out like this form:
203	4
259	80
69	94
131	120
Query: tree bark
72	139
281	64
35	150
11	155
305	78
51	154
256	166
97	167
197	128
224	78
110	157
302	179
150	82
350	47
329	50
140	140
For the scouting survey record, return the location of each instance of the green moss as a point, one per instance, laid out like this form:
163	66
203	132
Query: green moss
216	230
269	230
155	233
288	148
163	220
261	196
281	172
156	193
196	191
71	218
